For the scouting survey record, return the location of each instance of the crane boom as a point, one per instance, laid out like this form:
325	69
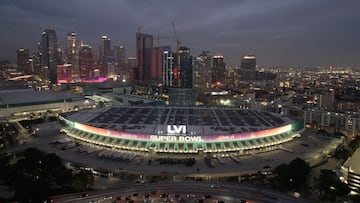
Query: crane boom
176	36
177	70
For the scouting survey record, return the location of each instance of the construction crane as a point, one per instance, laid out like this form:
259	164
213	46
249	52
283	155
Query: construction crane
177	70
176	36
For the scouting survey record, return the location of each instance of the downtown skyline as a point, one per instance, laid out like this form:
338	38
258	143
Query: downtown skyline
296	33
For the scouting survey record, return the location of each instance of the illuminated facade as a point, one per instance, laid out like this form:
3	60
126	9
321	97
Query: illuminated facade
202	69
182	129
23	61
120	56
106	57
49	56
156	68
167	69
72	53
64	73
248	68
185	73
218	69
85	61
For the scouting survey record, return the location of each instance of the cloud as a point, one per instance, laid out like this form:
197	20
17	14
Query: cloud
278	31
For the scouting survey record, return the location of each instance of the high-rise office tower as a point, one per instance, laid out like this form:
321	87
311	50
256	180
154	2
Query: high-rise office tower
59	56
144	45
106	56
248	68
156	67
120	56
85	62
167	70
202	69
218	69
185	74
36	62
106	46
132	69
23	63
131	62
182	93
64	73
72	53
49	56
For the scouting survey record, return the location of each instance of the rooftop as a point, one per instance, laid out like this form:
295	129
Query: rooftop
199	120
28	96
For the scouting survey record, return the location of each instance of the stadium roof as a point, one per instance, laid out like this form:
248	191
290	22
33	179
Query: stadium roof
199	120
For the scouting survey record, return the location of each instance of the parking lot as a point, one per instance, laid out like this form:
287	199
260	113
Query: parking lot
310	147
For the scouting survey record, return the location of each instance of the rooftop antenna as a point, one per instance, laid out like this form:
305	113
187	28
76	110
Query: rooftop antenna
140	28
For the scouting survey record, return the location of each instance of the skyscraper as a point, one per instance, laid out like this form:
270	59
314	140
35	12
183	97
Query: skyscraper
106	44
64	73
49	53
156	68
182	93
23	61
72	53
202	69
36	62
131	62
248	67
167	70
186	68
144	45
218	69
85	62
120	56
106	57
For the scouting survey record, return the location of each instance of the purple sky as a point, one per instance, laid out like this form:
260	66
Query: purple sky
279	32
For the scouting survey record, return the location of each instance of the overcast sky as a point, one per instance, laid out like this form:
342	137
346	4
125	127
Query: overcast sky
279	32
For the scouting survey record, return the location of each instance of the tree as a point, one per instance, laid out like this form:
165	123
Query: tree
40	175
292	176
299	170
282	180
30	189
83	180
330	185
63	176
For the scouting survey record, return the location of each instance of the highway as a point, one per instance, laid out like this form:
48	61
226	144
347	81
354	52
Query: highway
179	192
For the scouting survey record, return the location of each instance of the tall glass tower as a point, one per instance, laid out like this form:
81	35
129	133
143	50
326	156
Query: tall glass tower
72	53
218	69
144	45
49	53
85	61
248	68
186	68
23	61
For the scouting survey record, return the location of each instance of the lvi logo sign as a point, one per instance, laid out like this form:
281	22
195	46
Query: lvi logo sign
176	129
